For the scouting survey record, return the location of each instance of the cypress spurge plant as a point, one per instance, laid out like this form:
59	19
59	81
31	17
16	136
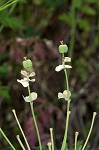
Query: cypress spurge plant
29	76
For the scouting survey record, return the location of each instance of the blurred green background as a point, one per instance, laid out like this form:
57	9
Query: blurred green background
34	28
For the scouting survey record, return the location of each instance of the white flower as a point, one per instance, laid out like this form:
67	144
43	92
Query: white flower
24	82
66	95
67	59
61	67
31	98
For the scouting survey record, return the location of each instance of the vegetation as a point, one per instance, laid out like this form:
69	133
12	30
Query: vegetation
34	29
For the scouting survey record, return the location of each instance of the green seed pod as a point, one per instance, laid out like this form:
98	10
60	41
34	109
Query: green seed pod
63	48
27	64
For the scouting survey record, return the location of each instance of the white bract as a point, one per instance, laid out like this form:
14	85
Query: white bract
25	73
66	95
24	82
32	97
26	79
67	59
61	67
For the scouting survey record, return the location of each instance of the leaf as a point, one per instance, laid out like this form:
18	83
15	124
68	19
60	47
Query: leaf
4	69
55	3
66	18
4	92
79	145
3	57
78	3
84	24
11	22
88	10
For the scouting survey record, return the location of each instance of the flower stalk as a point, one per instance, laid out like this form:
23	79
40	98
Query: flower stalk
20	142
21	129
76	136
49	144
7	139
27	64
91	127
34	118
68	107
52	139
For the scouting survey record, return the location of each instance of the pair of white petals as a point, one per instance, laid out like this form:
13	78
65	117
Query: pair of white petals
61	67
66	95
25	81
31	98
26	74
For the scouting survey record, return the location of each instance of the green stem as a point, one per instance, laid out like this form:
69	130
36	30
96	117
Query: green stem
7	139
21	129
20	142
92	123
73	28
68	107
66	130
34	118
76	135
52	140
7	4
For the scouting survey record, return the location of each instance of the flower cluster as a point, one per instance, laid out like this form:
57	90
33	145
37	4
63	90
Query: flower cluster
26	79
27	64
63	49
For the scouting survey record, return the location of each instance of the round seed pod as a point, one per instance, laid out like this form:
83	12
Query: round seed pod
63	48
27	64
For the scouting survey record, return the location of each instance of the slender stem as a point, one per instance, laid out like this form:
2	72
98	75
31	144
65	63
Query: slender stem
68	107
67	84
21	129
66	129
20	142
7	139
52	140
49	145
73	28
92	123
66	77
7	4
34	118
76	135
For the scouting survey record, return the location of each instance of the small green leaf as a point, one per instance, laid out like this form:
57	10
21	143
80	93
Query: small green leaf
79	145
84	24
66	18
4	92
11	22
88	10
